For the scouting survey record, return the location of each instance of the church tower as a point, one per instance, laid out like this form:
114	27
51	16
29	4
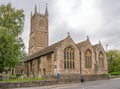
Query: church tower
38	38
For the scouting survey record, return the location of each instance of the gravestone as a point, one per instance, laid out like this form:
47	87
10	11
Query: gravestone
4	76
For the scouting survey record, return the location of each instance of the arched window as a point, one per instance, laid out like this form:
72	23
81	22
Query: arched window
69	58
88	59
101	60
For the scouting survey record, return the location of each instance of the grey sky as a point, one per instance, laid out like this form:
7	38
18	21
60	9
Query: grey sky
99	19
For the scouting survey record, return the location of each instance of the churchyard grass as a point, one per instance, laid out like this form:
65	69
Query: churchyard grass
23	79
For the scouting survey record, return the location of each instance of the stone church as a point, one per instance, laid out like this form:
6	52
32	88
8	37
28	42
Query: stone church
69	59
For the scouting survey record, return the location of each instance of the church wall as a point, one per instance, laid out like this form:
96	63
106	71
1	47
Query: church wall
60	59
87	71
31	68
42	40
105	69
55	63
43	66
52	63
47	65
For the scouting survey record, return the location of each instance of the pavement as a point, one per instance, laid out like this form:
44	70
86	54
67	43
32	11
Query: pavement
101	84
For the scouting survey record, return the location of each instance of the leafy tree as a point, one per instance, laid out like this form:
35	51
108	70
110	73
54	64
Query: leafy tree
11	44
114	60
22	57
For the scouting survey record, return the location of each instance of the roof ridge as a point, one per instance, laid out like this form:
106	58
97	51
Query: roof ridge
79	45
44	51
95	46
81	42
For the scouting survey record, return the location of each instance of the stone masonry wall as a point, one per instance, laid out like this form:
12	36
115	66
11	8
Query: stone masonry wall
51	82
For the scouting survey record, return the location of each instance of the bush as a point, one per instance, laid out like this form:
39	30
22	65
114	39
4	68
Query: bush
115	73
105	75
18	75
12	77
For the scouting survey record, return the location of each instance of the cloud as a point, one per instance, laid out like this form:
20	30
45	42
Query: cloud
99	19
110	28
81	17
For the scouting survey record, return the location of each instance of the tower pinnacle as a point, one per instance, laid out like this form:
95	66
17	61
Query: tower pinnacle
46	11
31	13
87	37
35	9
68	33
39	31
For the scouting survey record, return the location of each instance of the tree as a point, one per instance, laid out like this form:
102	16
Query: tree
114	60
22	57
11	44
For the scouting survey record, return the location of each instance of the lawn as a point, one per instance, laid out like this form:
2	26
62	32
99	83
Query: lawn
24	80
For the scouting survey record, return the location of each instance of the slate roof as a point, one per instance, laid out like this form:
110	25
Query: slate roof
44	51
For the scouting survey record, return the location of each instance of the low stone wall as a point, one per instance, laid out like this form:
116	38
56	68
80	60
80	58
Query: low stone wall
63	80
37	83
85	78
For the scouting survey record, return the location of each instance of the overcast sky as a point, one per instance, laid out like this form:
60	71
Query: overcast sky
99	19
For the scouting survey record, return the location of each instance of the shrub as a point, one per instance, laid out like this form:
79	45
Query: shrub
115	73
12	77
105	75
18	75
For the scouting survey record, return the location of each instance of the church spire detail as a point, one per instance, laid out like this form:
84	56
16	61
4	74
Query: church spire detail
68	33
87	37
46	11
31	13
35	9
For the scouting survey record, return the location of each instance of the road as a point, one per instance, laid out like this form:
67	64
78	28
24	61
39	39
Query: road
101	84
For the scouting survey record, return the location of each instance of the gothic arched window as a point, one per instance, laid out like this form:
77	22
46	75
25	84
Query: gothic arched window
88	59
101	60
69	58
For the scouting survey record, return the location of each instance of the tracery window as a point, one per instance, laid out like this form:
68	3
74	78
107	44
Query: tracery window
69	58
101	60
88	59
